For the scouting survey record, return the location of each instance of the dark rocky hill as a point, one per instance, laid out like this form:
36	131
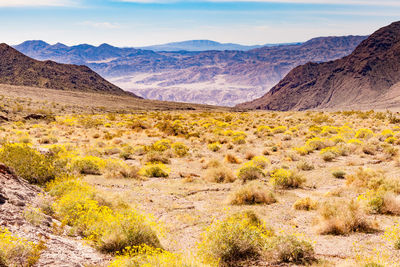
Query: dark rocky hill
18	69
367	78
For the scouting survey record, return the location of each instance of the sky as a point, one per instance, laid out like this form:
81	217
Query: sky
134	23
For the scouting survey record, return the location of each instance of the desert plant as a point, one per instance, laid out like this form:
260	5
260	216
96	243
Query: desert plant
236	238
88	165
289	249
249	173
214	147
155	170
148	256
156	157
17	251
230	158
180	149
220	174
253	193
339	174
341	218
29	163
305	204
305	166
282	178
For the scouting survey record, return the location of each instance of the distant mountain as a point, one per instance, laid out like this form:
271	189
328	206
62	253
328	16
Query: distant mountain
214	77
18	69
368	78
202	45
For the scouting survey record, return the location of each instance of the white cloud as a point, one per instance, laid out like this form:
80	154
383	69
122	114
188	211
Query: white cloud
101	25
35	3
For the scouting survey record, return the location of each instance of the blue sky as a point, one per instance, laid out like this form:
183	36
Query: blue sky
146	22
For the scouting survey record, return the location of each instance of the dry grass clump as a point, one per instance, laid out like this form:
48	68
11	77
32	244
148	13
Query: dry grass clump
213	163
230	158
156	157
156	170
288	249
305	204
220	174
340	217
252	193
339	174
372	179
305	166
380	202
285	179
127	172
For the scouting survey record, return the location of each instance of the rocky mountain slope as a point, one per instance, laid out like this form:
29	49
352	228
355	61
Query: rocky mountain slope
18	69
211	77
367	78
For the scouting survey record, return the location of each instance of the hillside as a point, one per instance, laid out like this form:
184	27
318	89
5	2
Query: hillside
18	69
210	77
367	78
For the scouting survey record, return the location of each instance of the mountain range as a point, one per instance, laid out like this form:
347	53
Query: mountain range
215	77
204	45
368	78
18	69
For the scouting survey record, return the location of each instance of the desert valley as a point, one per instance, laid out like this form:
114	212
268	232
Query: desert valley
200	153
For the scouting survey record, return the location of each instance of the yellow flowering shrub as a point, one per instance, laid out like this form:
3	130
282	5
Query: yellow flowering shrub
180	149
364	133
237	237
214	147
282	178
278	129
145	256
28	162
161	145
79	206
392	234
243	236
88	165
16	251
